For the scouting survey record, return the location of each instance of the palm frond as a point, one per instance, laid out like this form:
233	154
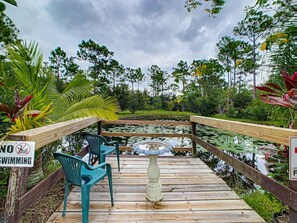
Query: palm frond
77	90
104	108
26	62
52	93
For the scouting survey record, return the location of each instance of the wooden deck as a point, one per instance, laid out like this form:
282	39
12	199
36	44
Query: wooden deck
192	193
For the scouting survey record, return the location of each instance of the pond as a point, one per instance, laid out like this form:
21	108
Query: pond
247	149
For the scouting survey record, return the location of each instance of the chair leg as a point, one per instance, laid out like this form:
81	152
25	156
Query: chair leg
65	197
109	175
85	203
118	158
102	158
90	158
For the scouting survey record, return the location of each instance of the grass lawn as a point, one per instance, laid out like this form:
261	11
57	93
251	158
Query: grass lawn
125	114
150	113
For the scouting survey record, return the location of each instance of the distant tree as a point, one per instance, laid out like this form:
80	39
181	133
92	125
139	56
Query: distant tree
139	77
100	58
122	94
116	71
254	26
159	83
234	54
59	62
159	78
63	67
204	93
208	75
134	76
181	74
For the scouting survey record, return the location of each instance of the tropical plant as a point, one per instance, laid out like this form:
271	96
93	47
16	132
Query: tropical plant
30	119
281	42
276	95
76	99
13	112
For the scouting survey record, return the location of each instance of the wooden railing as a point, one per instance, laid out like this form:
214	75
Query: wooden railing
268	133
18	199
287	195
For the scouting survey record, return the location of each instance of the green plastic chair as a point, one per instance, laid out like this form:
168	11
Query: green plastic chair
100	147
79	173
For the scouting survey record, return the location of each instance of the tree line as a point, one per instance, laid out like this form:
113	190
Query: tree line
224	84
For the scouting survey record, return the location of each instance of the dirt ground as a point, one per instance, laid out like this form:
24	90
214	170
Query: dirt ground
45	206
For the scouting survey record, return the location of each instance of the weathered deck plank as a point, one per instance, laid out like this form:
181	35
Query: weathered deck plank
192	193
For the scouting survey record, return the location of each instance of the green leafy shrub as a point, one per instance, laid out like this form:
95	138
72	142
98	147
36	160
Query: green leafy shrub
239	105
258	110
242	99
265	204
206	106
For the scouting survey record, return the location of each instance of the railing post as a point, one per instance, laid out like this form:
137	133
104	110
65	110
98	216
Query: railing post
99	127
194	149
17	187
292	212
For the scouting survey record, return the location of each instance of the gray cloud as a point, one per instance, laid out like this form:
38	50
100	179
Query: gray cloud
139	32
76	14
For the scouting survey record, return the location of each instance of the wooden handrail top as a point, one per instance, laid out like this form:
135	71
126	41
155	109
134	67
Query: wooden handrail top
50	133
131	134
147	122
268	133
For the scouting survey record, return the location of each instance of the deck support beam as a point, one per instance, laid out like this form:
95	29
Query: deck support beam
194	148
17	188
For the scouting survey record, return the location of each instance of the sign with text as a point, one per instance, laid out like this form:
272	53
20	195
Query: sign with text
293	159
17	153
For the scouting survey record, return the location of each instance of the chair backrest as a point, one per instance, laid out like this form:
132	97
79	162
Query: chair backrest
94	142
72	167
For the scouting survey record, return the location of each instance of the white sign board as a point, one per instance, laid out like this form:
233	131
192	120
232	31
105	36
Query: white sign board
17	153
293	159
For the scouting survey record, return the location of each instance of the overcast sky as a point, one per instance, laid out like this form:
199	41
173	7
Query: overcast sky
139	32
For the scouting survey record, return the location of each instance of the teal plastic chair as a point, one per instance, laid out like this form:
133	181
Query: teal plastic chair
100	147
79	173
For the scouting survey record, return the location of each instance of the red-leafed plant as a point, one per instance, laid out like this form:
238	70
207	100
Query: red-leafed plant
276	95
19	104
